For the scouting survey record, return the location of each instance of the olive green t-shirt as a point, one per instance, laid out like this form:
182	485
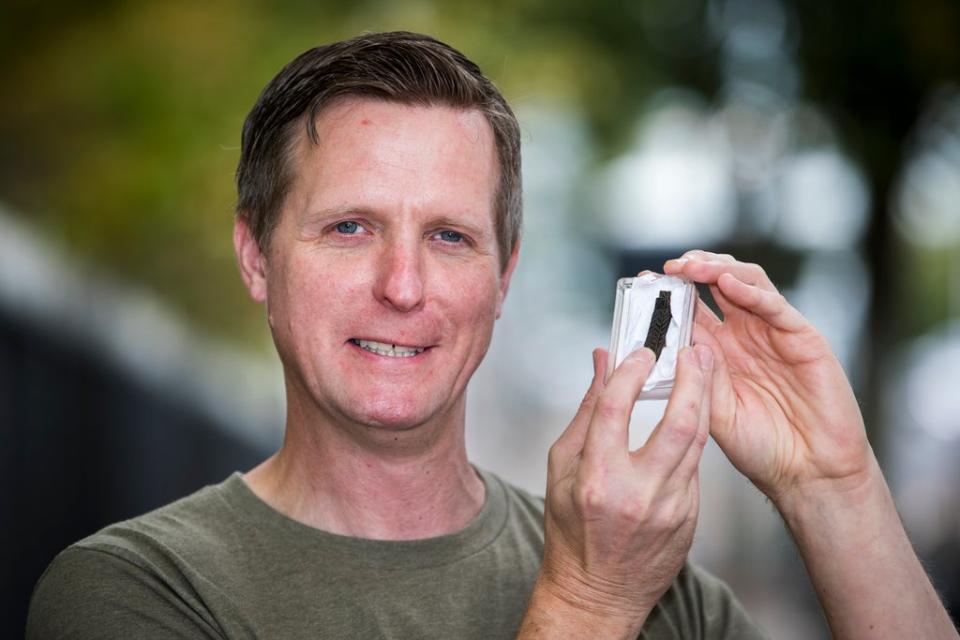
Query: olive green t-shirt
221	563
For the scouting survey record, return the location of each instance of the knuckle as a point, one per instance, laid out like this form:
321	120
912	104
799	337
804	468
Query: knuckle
701	437
634	515
699	254
591	498
684	416
673	515
664	520
684	427
633	512
611	408
686	430
756	269
556	455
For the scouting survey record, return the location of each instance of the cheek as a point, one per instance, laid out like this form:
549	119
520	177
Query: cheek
474	299
305	296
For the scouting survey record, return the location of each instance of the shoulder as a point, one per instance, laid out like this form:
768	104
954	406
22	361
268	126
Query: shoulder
131	575
198	524
86	593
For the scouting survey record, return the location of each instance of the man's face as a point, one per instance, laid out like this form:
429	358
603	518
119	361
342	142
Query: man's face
382	280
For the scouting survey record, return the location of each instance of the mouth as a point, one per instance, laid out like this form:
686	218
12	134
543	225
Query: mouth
388	350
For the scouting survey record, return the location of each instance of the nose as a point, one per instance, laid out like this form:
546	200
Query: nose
399	283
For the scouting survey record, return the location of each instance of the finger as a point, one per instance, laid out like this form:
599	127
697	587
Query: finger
705	317
700	254
707	268
710	256
720	373
675	266
722	399
769	305
691	461
608	431
675	433
702	266
727	308
571	440
703	335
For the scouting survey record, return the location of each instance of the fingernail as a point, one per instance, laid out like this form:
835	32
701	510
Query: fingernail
596	362
675	263
645	354
705	355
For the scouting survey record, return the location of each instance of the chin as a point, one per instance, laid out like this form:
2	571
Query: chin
392	416
393	403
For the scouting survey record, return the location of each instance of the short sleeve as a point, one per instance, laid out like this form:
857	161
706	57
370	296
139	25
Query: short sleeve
700	606
93	593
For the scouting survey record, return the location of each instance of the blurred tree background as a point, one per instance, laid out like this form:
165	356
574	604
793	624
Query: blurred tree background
819	139
119	132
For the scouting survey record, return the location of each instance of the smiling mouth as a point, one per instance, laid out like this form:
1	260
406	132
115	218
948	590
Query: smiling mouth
388	350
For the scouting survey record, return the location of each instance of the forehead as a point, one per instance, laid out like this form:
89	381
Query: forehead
344	115
391	154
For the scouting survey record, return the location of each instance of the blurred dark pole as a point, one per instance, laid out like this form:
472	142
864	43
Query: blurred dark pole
873	67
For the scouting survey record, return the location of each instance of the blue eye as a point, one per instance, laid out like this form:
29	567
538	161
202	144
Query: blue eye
450	236
348	227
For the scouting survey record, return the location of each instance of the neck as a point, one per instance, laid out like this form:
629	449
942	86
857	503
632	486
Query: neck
403	485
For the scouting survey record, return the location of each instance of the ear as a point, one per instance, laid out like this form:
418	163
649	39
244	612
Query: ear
252	261
506	275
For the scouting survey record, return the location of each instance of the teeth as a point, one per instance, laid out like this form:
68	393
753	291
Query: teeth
389	350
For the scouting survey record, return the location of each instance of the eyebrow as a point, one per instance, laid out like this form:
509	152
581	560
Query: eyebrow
334	212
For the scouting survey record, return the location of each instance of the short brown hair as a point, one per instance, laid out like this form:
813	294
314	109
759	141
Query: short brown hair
403	67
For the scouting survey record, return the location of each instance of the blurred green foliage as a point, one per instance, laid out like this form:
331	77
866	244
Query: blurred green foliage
120	134
120	126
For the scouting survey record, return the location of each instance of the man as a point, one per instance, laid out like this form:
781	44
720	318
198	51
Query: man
378	222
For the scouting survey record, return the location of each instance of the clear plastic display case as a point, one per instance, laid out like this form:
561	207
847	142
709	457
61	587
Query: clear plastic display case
656	311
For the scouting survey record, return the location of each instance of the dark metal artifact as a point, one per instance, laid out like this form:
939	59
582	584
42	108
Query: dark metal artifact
659	323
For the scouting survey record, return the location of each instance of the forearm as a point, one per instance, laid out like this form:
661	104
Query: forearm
552	613
865	572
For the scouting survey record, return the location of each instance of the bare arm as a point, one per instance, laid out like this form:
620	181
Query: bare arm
784	414
866	574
